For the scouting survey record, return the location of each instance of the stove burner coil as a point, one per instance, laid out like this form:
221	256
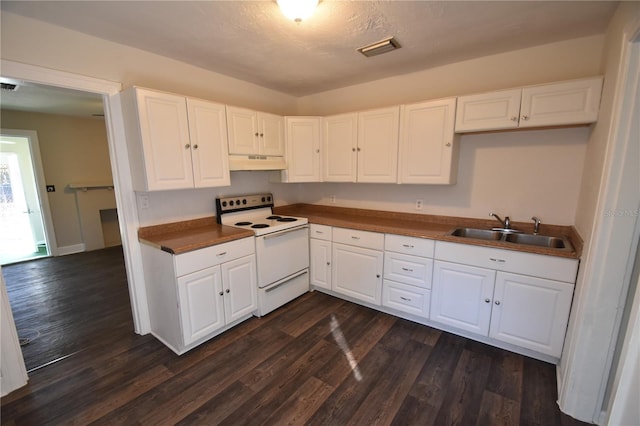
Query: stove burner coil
287	219
274	217
242	224
260	225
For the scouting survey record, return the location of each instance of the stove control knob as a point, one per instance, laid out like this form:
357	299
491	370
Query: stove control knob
237	202
244	201
231	202
224	204
269	199
264	199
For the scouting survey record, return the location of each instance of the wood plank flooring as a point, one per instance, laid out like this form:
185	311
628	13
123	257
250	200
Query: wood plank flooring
318	361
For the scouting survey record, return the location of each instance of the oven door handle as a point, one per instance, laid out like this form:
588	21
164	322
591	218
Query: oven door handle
285	280
286	231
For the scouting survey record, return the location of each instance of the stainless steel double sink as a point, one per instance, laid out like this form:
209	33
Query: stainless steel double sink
559	243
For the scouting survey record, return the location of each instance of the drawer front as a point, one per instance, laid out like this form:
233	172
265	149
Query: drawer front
409	245
320	232
406	298
537	265
406	269
353	237
214	255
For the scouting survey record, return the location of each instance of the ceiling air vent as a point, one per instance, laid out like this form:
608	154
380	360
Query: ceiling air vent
380	47
8	87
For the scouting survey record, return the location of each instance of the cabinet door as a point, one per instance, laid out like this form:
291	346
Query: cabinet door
242	127
164	130
271	134
357	272
378	145
240	288
339	141
531	312
200	300
208	132
320	262
427	143
572	102
461	296
488	111
303	149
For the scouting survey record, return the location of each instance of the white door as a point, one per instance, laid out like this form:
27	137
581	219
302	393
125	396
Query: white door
357	272
531	312
303	149
320	263
378	145
271	134
339	143
461	296
572	102
164	130
426	154
208	133
200	297
488	111
240	288
242	127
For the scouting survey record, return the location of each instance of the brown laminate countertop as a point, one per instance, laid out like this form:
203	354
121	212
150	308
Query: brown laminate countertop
185	236
429	226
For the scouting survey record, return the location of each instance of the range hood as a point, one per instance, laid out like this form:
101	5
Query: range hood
256	162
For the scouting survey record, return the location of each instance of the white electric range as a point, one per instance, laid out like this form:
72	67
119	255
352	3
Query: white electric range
282	247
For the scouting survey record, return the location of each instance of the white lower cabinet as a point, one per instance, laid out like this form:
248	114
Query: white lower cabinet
194	296
527	311
320	263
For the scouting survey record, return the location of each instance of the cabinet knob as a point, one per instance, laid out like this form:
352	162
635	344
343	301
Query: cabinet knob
261	134
221	294
377	275
257	134
525	117
359	149
448	144
353	149
514	118
328	263
195	146
487	300
227	291
187	146
497	302
317	151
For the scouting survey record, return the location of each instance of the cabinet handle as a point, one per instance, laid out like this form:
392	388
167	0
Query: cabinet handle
221	294
195	146
497	302
493	259
221	254
407	269
405	299
407	245
353	237
187	146
319	232
525	117
514	118
227	291
487	300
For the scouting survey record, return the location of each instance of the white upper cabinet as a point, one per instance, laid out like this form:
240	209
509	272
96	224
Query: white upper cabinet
303	139
564	103
171	145
428	144
378	145
339	143
255	133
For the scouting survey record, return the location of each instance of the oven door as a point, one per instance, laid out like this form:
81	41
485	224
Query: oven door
281	254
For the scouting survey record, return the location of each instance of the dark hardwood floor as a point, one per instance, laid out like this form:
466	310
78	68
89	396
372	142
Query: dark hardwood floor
319	361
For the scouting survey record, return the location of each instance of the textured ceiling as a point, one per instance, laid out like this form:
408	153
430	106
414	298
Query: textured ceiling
253	41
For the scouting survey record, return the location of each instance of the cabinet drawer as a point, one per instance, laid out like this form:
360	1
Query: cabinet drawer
214	255
538	265
407	269
406	298
409	245
352	237
320	232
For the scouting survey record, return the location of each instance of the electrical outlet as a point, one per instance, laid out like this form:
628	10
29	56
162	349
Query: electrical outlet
418	204
332	199
143	201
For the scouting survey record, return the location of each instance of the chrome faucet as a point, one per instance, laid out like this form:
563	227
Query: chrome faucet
506	224
536	225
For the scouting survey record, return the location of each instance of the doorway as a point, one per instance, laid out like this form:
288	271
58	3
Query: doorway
22	221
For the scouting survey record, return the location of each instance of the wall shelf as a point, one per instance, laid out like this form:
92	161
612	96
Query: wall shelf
86	187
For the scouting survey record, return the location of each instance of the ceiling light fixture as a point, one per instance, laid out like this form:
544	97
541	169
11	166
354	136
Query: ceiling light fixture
297	10
380	47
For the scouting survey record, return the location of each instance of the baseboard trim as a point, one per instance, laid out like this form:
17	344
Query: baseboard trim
76	248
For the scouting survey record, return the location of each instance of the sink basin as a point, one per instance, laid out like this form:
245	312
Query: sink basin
478	234
538	240
560	243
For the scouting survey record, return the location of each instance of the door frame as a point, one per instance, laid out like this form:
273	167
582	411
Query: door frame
36	161
119	156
